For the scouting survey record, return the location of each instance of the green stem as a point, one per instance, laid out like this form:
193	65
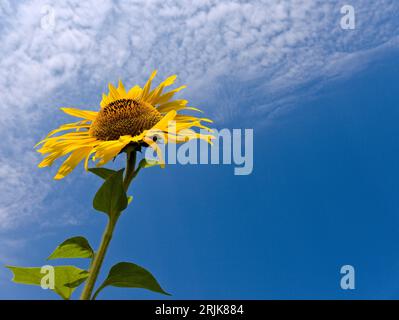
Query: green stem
108	232
130	171
98	260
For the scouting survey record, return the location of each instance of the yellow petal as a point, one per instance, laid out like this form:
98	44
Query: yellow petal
72	161
154	94
113	93
121	89
70	126
167	96
163	123
169	81
182	117
134	92
147	86
85	114
108	150
104	101
49	160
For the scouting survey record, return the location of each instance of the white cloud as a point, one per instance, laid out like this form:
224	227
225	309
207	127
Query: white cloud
235	55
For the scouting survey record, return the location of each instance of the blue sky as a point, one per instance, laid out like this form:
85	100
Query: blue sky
322	102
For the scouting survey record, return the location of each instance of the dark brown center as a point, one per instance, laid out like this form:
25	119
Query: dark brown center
124	117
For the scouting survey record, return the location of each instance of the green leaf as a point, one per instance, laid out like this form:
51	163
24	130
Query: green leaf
145	163
129	199
66	278
111	197
76	247
130	275
102	172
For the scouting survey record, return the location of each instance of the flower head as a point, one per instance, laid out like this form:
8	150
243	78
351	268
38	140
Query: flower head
125	117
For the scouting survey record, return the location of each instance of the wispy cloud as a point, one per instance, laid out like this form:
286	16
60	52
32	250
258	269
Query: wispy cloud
236	56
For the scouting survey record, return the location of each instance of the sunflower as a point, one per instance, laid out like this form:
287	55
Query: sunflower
134	117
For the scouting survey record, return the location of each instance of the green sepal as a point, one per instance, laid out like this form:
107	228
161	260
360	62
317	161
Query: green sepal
145	163
103	173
